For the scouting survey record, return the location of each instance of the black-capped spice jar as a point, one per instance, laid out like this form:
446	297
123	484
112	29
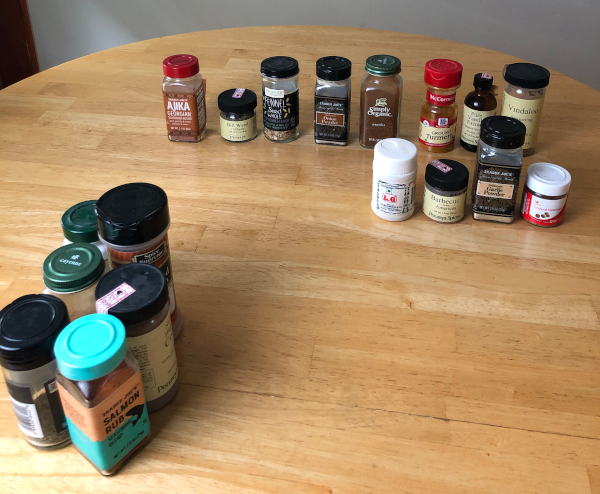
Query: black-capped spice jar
238	118
445	193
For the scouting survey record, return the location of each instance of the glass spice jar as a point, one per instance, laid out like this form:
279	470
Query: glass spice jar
479	104
238	118
29	327
79	225
545	194
445	193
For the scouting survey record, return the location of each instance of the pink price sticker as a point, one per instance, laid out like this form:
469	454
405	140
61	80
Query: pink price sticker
485	75
238	92
113	298
441	166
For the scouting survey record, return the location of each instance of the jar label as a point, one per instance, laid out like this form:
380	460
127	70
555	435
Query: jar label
238	131
437	133
443	208
280	112
25	410
380	109
440	99
155	354
528	111
495	189
331	119
471	124
391	198
186	114
543	212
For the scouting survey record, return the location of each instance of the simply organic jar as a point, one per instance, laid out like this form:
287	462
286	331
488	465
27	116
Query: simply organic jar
79	225
445	193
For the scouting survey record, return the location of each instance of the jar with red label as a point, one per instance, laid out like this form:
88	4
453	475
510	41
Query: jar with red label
439	111
545	194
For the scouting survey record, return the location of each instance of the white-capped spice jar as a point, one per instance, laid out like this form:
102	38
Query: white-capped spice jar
545	194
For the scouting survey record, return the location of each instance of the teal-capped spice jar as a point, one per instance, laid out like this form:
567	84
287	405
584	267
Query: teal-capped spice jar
101	390
79	225
71	273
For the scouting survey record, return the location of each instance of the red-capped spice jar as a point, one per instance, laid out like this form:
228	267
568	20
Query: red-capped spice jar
439	111
545	194
184	93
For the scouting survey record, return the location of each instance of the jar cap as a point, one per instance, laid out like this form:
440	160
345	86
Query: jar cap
503	132
527	75
73	267
398	155
180	66
443	73
90	347
150	296
334	68
238	100
383	65
79	222
447	175
548	179
483	81
132	214
279	67
29	327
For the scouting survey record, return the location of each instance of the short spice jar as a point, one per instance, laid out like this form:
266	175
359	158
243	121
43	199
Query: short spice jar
281	107
79	225
238	118
184	93
545	194
479	104
446	183
133	221
71	273
137	295
101	390
29	327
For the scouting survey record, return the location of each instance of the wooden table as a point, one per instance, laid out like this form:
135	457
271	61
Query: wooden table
324	350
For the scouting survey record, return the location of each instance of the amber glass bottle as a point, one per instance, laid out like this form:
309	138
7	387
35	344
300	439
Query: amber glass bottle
479	104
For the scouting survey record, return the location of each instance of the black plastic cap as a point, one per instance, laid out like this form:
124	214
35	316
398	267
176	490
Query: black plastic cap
527	75
279	67
237	101
503	132
453	176
483	81
334	68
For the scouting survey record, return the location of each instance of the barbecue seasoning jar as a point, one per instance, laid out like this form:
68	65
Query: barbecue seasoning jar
445	193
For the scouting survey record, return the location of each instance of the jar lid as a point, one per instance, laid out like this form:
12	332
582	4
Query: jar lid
483	81
238	100
79	222
73	267
29	327
448	175
334	68
503	132
90	347
443	73
180	66
132	214
548	179
383	65
527	75
398	155
279	67
149	298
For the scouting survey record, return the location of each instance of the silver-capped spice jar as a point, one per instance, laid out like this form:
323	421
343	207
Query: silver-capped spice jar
238	115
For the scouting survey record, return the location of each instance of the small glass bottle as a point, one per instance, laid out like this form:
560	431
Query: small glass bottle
479	104
332	100
445	191
280	98
79	225
238	118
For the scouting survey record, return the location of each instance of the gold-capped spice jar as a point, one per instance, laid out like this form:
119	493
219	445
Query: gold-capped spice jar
445	195
545	194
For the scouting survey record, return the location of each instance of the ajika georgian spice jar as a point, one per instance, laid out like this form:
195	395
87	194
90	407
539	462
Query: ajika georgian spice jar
238	118
445	193
545	194
79	225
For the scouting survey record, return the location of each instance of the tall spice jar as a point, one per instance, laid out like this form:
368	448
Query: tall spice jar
479	104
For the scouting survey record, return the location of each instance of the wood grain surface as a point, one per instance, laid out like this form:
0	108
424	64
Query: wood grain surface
324	350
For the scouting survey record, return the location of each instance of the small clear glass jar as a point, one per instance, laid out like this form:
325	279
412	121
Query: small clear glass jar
238	116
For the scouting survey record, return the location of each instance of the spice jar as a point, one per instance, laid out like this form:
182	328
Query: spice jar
380	100
500	159
394	179
133	221
545	194
71	273
439	111
332	100
280	98
79	225
184	93
524	98
28	329
101	390
138	296
479	104
238	118
445	193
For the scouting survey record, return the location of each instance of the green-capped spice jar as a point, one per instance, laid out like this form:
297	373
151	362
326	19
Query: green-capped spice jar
79	224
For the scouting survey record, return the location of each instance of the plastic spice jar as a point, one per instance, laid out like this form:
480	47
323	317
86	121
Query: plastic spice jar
394	179
101	391
71	273
238	118
138	296
545	194
445	194
524	98
184	93
28	329
79	225
133	221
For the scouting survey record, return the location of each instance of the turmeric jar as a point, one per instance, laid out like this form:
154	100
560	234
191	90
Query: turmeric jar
439	111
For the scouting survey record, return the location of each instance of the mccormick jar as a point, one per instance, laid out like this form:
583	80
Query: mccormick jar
280	98
71	273
79	225
479	104
545	194
524	98
137	295
101	391
445	194
332	100
380	100
29	327
238	118
184	93
133	221
439	111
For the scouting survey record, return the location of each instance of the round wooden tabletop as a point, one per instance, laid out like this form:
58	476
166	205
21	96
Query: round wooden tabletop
324	350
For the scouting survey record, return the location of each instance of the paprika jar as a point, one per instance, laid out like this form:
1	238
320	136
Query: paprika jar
545	194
